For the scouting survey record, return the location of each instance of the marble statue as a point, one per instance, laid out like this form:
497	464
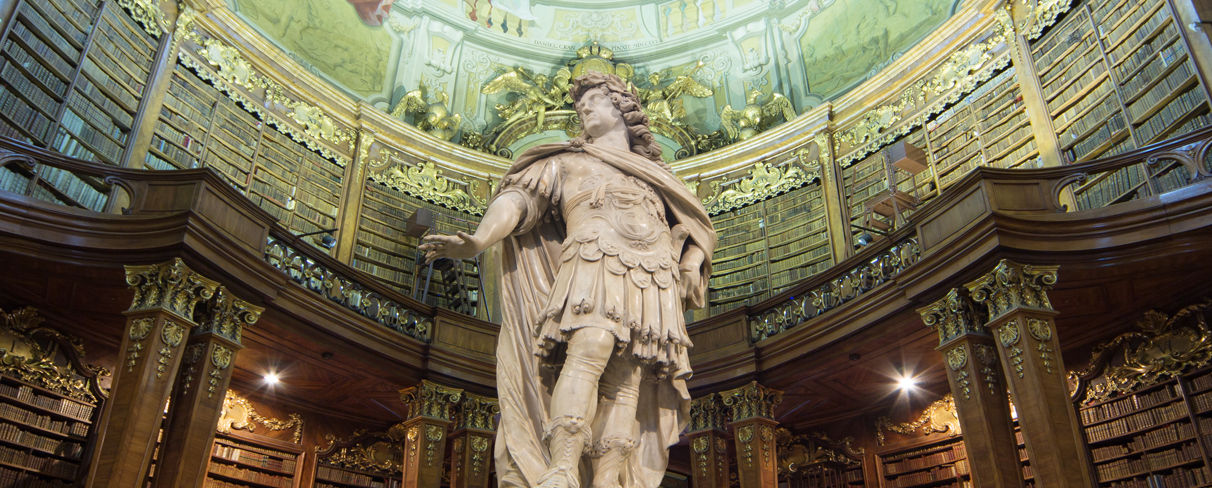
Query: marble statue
602	247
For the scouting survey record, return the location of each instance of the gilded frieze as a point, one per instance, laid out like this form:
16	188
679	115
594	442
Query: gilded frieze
938	418
803	452
378	452
45	357
316	277
227	69
239	414
959	74
846	286
763	181
1161	347
147	13
423	179
431	400
170	286
1011	285
751	401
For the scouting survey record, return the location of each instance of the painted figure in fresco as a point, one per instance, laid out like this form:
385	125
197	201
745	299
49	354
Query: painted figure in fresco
602	248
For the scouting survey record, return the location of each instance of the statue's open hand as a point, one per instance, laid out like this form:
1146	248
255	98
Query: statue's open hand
459	246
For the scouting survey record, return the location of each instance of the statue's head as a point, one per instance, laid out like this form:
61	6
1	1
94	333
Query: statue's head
626	105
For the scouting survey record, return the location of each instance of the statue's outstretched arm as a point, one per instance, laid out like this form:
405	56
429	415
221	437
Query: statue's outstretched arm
500	219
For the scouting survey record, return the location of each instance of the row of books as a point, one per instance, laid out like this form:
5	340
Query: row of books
258	477
96	142
382	257
25	479
37	462
800	252
1110	188
944	456
1086	147
12	181
1047	51
1143	104
13	434
1166	47
942	473
327	473
21	115
1136	422
790	276
1142	76
809	226
1152	461
44	422
1130	29
46	56
1127	405
255	456
1155	438
1160	124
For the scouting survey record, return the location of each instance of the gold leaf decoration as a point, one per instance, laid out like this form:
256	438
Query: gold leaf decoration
238	413
939	417
46	357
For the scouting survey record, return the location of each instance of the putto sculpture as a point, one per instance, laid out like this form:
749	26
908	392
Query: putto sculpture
602	248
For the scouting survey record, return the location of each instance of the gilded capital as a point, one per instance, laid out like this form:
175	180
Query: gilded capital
431	400
952	316
226	316
477	412
707	413
751	401
1012	285
170	285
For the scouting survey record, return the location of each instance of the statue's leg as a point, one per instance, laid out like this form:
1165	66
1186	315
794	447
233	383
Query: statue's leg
616	428
573	403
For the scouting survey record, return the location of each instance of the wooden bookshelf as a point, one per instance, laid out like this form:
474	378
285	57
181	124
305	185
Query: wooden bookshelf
739	262
185	120
100	109
383	250
250	460
1118	75
332	476
939	462
797	238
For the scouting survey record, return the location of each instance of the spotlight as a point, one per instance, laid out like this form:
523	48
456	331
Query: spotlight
271	379
864	239
906	383
327	241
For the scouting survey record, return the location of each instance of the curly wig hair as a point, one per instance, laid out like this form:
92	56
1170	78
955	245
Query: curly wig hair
628	103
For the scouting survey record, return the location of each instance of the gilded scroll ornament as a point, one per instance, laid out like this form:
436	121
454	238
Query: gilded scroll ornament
1162	346
477	412
744	436
701	446
137	331
226	316
431	400
761	112
220	359
170	285
479	456
172	335
955	77
939	417
1009	337
801	453
47	358
189	364
764	181
751	401
1012	285
238	413
952	316
957	358
147	13
425	181
986	358
433	434
707	413
379	452
231	69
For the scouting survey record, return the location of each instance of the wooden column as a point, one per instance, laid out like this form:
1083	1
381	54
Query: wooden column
752	411
979	389
197	398
708	442
157	323
471	442
1021	320
431	408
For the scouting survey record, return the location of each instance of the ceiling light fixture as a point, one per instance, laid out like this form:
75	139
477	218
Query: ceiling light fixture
906	383
271	378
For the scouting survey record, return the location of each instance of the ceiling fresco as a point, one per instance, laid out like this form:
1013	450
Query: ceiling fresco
712	71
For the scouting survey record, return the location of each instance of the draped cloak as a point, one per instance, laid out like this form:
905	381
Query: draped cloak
529	262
